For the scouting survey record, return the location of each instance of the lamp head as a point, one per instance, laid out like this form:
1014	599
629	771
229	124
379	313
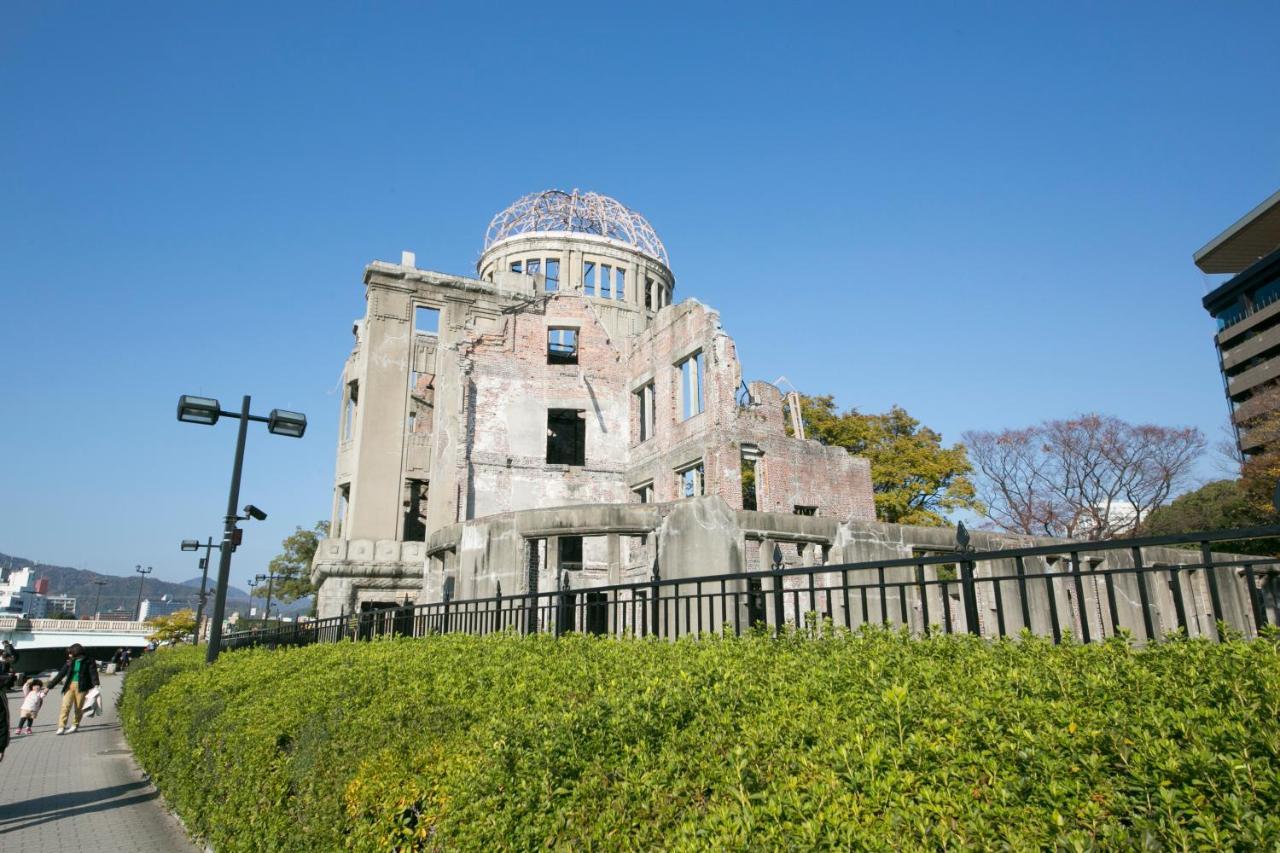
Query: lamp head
289	424
190	545
198	410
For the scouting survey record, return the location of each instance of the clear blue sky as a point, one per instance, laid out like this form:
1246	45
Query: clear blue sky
982	212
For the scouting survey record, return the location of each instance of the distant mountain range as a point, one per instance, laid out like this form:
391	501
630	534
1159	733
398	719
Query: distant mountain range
121	592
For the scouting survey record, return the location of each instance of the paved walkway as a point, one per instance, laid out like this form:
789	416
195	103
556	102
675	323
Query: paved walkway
80	791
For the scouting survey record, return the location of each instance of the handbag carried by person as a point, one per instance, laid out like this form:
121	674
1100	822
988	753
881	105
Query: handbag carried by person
93	702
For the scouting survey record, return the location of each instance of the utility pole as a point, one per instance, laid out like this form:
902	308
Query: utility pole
100	583
208	546
269	577
142	579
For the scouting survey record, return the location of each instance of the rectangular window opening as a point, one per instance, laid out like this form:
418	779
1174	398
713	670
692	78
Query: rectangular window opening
692	483
941	571
589	278
643	493
691	382
426	320
570	553
415	510
620	283
349	411
553	275
606	281
340	512
748	481
645	399
566	437
562	346
648	294
517	266
804	510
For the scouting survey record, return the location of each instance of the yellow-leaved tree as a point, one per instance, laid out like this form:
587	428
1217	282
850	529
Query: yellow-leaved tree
916	479
172	626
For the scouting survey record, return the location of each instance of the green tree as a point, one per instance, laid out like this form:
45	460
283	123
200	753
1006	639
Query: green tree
1220	505
916	479
173	626
292	566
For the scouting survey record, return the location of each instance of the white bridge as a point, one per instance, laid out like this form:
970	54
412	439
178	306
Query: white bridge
49	637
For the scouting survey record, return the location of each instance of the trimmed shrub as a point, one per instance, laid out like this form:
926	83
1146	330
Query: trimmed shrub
866	740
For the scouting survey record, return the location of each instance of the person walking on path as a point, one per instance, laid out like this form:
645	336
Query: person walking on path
81	674
4	724
33	693
8	675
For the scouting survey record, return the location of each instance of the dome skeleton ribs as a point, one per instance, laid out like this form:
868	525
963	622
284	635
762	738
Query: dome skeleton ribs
580	212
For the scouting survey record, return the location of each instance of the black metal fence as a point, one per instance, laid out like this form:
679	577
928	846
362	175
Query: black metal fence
1090	590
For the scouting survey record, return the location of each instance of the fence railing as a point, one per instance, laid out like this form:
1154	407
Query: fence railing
1090	590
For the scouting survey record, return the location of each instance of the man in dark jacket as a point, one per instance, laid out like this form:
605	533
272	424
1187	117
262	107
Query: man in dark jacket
81	674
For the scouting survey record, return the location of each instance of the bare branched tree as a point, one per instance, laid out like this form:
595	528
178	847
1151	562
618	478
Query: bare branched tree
1091	477
1227	458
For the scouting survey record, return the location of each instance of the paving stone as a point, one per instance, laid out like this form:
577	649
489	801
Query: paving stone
81	791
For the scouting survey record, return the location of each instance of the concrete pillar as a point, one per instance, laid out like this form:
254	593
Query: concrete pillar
552	569
374	510
571	277
615	558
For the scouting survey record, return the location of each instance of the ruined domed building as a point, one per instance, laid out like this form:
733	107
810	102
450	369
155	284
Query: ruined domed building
563	421
562	412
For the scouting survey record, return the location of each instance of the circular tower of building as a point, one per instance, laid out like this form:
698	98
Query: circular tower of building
582	243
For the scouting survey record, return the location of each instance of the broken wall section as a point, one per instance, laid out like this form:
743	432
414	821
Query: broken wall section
720	431
545	419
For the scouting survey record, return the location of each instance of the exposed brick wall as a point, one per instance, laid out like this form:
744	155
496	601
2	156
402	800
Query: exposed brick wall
482	389
514	387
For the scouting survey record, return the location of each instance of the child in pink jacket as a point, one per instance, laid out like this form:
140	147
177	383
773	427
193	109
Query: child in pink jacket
33	693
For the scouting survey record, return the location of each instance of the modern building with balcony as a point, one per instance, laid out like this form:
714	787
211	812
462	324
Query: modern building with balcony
1247	310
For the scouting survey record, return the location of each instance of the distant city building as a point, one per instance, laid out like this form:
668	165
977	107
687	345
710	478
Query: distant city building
1247	310
59	603
18	594
117	615
163	606
42	586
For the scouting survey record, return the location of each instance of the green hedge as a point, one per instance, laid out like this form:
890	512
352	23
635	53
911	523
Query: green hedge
873	740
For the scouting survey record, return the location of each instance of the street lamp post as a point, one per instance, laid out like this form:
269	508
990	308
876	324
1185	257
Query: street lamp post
196	545
141	580
97	596
204	410
269	577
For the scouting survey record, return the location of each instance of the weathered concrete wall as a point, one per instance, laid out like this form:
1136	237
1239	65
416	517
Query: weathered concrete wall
351	572
700	537
513	387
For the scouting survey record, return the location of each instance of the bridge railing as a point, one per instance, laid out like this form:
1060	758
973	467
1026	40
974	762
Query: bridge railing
74	626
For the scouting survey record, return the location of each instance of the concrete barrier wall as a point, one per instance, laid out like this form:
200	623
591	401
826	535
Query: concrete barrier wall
693	538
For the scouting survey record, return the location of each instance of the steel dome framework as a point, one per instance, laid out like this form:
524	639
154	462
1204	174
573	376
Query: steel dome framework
577	212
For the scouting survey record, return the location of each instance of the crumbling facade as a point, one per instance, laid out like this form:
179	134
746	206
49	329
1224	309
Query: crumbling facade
562	382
